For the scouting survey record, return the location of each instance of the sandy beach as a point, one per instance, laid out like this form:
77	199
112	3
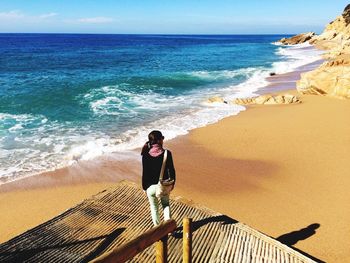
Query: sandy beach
276	168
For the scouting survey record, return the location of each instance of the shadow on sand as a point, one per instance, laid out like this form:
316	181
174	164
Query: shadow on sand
294	237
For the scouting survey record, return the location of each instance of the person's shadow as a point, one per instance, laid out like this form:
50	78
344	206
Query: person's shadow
292	238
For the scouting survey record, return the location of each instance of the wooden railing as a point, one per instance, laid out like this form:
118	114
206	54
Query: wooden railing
158	235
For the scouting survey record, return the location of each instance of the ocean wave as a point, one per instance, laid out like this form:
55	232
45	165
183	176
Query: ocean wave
277	43
171	126
115	100
295	56
191	109
127	100
9	121
18	132
31	143
222	74
249	88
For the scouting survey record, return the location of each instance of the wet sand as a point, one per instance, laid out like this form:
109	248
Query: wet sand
277	168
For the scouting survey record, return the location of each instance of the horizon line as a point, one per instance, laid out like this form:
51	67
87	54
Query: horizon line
169	34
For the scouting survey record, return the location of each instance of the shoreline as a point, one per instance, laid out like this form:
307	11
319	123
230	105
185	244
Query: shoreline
218	113
276	84
257	181
109	169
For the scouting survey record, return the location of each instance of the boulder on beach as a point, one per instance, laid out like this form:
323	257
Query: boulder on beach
333	80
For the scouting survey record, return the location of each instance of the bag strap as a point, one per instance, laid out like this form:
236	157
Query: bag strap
163	165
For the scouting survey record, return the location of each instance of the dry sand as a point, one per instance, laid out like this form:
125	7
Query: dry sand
276	168
33	200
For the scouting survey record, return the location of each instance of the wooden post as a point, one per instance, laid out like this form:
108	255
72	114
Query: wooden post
128	250
162	250
187	240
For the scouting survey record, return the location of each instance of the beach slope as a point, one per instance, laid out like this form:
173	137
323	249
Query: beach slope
277	168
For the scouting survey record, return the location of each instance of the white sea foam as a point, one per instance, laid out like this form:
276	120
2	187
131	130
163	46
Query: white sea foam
19	117
30	144
251	86
295	57
277	43
193	113
305	44
222	74
171	127
113	100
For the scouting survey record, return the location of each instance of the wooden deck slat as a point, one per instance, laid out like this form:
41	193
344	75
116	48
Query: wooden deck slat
115	216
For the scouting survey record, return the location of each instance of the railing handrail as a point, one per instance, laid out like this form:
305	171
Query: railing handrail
132	248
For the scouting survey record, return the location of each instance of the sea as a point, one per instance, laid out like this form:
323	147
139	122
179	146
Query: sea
71	97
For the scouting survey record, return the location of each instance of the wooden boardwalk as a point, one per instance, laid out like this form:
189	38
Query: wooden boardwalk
117	215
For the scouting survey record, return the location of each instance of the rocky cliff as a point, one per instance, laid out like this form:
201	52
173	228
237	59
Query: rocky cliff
298	39
332	78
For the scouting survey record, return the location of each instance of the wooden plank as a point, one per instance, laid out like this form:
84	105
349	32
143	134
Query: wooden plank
135	246
89	229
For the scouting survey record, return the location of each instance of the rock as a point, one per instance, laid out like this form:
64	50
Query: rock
332	78
346	15
326	80
298	39
216	99
244	101
262	99
272	74
268	100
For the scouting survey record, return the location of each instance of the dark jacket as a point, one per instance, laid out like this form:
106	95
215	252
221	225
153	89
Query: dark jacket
151	169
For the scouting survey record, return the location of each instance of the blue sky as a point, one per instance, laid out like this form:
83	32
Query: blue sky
168	16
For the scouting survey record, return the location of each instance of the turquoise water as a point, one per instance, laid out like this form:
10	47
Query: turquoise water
71	97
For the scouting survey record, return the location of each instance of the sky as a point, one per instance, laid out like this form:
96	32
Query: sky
168	16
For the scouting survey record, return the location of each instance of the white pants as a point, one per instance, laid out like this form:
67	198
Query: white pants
153	202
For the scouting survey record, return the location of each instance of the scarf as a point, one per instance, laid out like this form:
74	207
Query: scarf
156	150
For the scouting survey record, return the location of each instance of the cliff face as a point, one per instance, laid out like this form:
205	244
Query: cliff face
332	78
298	39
